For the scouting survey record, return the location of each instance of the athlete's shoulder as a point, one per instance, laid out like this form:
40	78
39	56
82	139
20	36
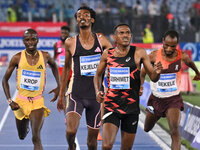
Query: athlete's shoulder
105	43
45	54
70	40
17	56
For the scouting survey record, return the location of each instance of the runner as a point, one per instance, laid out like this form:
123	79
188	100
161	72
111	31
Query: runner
83	53
29	103
165	100
121	102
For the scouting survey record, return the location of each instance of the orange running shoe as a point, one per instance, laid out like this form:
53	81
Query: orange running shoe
99	138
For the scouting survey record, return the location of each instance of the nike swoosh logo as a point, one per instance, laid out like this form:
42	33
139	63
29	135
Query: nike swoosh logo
134	123
127	59
106	115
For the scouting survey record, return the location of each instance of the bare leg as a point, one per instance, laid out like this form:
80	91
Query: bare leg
37	119
22	128
127	140
72	122
92	138
150	121
109	134
173	118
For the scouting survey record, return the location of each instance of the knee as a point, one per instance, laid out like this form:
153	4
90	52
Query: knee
36	139
107	146
92	144
174	132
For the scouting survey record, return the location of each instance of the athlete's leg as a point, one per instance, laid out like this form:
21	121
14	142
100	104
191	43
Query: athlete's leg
127	140
72	123
173	117
109	134
150	121
37	119
92	138
22	127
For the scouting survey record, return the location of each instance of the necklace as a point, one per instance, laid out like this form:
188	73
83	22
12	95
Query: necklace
30	54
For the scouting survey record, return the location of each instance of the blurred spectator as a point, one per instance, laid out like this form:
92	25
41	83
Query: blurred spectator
99	27
122	12
147	34
193	13
108	18
69	14
51	13
197	6
153	9
11	14
170	18
164	10
138	9
19	11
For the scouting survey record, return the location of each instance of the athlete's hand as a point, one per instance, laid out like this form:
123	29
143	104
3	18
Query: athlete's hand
14	106
158	67
56	92
141	90
100	96
197	77
60	103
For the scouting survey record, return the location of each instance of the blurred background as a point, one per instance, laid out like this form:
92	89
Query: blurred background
148	19
182	15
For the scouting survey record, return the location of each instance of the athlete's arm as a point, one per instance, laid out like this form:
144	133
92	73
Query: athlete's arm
143	73
191	64
153	72
98	77
54	70
65	73
55	51
104	41
13	63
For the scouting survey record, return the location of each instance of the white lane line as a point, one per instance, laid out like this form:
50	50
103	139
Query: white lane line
155	137
6	113
77	144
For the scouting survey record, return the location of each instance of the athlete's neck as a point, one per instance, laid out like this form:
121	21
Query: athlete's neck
123	48
86	34
31	53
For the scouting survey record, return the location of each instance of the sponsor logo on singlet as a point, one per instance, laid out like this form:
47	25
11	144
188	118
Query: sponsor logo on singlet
30	80
89	64
167	83
61	61
119	78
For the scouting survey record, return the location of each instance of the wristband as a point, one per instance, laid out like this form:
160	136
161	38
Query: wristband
9	101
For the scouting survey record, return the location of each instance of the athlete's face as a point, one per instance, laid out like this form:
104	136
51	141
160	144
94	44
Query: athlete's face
64	34
84	19
123	35
169	45
30	41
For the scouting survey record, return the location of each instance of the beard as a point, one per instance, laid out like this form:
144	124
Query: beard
83	27
168	54
63	40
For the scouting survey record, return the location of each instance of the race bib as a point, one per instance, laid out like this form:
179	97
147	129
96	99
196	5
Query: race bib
30	80
89	64
167	83
61	61
119	78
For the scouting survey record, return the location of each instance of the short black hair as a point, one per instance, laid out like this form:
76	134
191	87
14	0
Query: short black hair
121	24
92	12
65	28
31	31
172	34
